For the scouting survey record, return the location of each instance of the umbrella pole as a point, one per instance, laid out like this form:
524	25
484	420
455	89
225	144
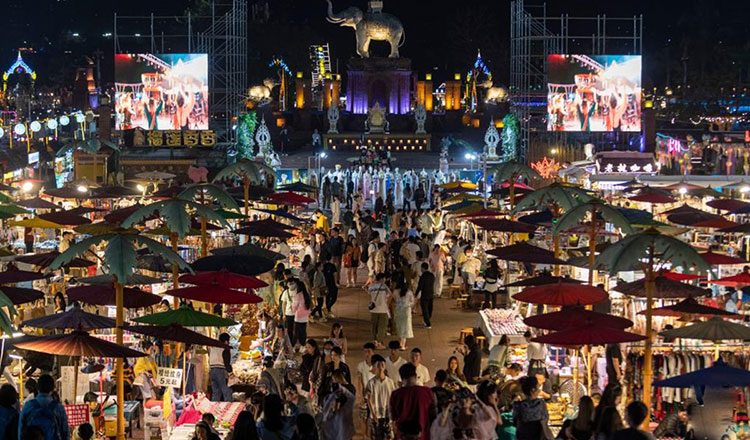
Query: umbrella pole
175	268
588	369
120	365
184	369
575	377
556	241
592	245
246	189
204	239
648	356
75	381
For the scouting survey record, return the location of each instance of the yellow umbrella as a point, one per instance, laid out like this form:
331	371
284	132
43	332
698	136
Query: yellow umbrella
458	184
462	197
36	223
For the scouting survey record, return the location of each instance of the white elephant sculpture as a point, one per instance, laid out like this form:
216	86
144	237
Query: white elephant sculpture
262	93
494	94
370	26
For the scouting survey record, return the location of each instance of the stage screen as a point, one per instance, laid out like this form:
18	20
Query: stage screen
161	91
594	93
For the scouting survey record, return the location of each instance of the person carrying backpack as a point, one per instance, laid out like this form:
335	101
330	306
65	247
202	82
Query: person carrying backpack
45	412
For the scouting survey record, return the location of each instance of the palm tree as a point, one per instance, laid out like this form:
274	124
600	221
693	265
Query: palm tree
250	172
628	254
512	171
202	191
595	208
120	256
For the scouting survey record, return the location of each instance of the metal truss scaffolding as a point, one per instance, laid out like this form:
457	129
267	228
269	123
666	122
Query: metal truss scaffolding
533	36
221	33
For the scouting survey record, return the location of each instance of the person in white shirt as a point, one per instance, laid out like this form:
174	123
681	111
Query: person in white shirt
309	250
282	248
287	306
393	362
423	374
410	250
379	293
377	394
470	270
416	268
372	249
364	368
536	353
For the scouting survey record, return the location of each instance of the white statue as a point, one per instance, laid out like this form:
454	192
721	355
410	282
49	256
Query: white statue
376	121
263	139
420	116
398	188
333	119
491	139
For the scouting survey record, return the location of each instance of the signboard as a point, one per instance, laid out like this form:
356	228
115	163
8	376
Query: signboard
161	91
169	377
77	414
175	138
33	157
594	93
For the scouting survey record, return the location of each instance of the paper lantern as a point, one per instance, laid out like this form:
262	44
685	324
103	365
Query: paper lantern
20	129
52	124
64	120
35	126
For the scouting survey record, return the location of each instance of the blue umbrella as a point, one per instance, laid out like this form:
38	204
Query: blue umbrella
718	375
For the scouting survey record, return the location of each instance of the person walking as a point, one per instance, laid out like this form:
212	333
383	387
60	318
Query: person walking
378	306
376	394
302	305
412	402
426	293
404	301
331	275
437	260
8	412
318	289
45	412
352	255
287	307
220	363
491	277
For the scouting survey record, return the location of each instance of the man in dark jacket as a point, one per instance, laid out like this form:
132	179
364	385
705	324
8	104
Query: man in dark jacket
472	361
426	288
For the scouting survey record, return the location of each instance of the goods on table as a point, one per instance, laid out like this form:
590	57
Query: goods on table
247	372
497	322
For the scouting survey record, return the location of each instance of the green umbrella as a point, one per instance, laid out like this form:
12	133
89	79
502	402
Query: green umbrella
12	209
6	322
185	317
558	196
652	247
595	208
250	172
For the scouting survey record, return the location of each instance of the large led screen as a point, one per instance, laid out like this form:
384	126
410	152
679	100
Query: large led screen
594	93
161	91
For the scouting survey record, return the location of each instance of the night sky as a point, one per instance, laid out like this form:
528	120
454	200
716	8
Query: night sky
441	36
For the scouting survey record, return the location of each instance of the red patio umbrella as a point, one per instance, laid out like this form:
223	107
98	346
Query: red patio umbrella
64	218
728	204
223	278
740	278
67	192
664	288
74	318
715	259
81	210
650	195
482	213
176	333
46	258
675	276
503	225
119	215
290	198
717	223
562	294
690	306
588	334
215	294
525	253
575	316
21	295
680	185
77	343
114	192
19	276
541	280
104	295
37	203
743	228
684	209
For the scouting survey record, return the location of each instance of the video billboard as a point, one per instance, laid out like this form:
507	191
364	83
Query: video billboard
161	91
594	93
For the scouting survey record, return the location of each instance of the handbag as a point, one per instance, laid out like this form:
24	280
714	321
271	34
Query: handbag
371	306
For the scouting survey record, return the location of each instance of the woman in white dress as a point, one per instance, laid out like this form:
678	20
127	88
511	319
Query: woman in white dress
404	300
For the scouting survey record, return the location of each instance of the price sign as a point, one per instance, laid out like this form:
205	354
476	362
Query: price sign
77	414
169	377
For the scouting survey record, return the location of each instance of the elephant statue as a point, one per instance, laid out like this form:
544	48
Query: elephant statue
494	94
370	26
262	94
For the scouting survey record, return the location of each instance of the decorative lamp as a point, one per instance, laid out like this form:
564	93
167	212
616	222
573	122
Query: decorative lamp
52	124
35	126
2	132
64	120
19	129
80	118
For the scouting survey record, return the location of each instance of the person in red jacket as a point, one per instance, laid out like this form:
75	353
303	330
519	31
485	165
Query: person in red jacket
412	402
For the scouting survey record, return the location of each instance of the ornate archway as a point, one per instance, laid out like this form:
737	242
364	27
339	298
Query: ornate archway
19	67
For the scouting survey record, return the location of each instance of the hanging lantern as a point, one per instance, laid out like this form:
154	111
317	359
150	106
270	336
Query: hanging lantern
52	124
35	126
64	120
19	129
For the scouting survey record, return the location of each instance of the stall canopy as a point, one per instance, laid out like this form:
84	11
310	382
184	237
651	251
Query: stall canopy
574	316
104	295
562	294
74	318
525	253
